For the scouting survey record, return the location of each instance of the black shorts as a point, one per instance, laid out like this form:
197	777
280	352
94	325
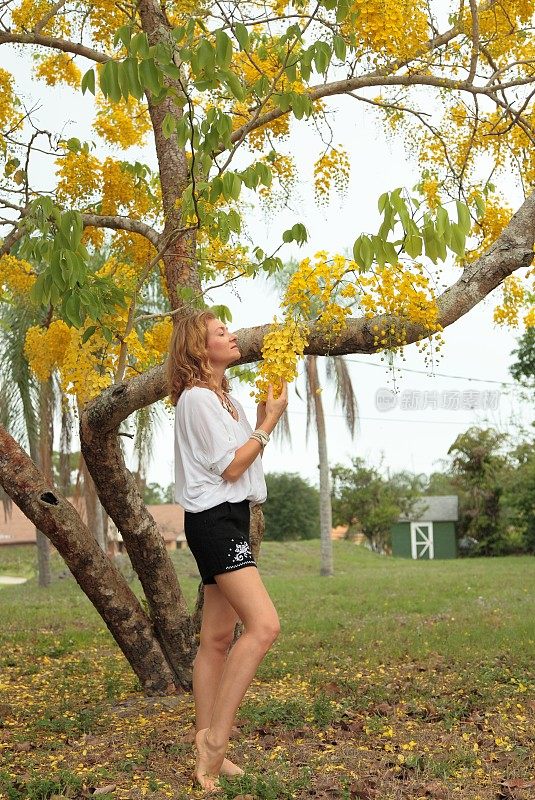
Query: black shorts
219	538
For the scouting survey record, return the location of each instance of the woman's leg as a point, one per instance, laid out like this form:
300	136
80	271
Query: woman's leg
217	631
248	596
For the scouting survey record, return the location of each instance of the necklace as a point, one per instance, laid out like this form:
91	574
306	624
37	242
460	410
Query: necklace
225	402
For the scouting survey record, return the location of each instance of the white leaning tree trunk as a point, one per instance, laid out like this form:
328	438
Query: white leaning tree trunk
326	516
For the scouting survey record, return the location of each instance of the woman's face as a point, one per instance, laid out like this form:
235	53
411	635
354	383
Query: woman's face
220	344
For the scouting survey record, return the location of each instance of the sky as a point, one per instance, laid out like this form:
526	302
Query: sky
407	420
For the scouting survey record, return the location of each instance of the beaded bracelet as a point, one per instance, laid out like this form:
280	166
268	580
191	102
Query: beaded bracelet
261	436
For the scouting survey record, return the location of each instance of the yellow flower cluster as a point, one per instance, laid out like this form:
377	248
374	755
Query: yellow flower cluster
487	229
125	123
132	250
79	177
401	292
8	100
310	294
331	167
514	297
157	339
121	192
312	290
28	14
249	71
86	368
501	22
45	348
105	18
282	348
16	276
59	68
390	27
430	188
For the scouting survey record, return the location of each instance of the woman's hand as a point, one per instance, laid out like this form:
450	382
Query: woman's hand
275	408
260	413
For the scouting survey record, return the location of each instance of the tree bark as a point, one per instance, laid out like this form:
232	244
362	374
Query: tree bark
326	516
95	573
46	444
121	499
179	256
95	513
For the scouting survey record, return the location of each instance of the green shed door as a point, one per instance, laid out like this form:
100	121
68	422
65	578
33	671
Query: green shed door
422	545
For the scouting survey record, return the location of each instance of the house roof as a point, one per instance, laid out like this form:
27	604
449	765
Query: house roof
434	508
18	529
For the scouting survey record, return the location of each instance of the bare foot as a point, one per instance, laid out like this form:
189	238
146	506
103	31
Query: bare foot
208	763
230	769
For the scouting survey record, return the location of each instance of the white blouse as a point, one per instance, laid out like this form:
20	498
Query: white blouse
206	439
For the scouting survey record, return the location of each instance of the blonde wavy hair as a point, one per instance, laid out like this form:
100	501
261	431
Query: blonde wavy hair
188	360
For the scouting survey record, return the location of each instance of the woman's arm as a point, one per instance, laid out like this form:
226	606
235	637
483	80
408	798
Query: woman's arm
248	452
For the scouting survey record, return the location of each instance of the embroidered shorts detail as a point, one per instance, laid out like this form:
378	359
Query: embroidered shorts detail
219	539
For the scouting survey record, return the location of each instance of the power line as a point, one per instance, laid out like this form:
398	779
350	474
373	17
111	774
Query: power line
437	374
386	418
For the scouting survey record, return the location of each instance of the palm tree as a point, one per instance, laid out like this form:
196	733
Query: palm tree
338	374
21	396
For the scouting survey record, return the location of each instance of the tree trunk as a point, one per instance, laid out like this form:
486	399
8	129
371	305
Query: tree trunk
94	510
120	497
93	570
46	445
326	516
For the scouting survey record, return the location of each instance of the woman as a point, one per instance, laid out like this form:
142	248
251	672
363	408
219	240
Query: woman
218	472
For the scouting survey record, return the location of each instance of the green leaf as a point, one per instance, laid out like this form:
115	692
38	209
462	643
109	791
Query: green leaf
168	125
88	333
379	250
430	241
88	81
139	45
413	245
223	49
221	312
236	186
131	70
109	81
234	84
363	252
73	145
340	48
463	216
283	100
149	76
458	239
72	310
205	57
383	202
107	333
242	35
322	56
124	35
443	222
37	290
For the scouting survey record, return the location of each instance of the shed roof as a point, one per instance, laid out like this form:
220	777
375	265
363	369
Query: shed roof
434	508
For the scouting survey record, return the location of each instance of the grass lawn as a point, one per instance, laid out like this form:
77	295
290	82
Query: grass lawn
393	679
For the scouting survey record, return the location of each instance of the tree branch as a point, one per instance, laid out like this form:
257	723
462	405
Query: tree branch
511	251
38	27
55	44
349	85
123	224
475	40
